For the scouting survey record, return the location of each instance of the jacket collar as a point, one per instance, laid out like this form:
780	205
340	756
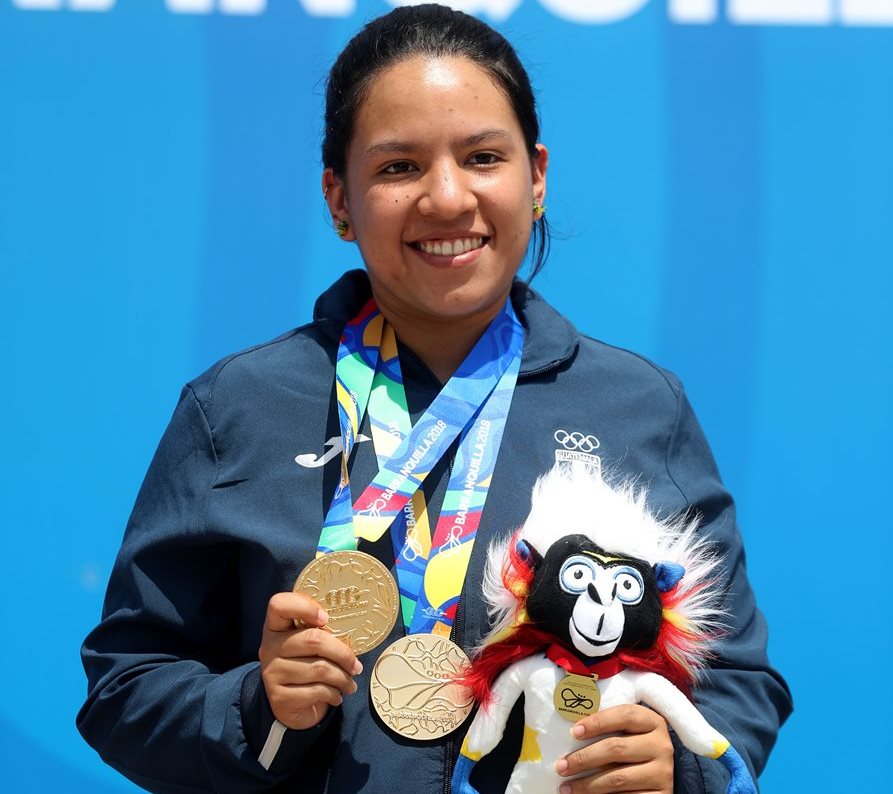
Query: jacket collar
549	339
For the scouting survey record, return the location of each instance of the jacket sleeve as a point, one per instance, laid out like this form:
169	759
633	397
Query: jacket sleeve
742	696
173	703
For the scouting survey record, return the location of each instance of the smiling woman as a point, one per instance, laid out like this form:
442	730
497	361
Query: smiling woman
464	379
439	192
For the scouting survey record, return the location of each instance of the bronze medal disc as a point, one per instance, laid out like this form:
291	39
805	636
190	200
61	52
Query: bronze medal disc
576	696
359	594
413	687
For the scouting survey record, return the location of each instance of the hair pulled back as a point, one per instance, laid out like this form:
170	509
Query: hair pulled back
428	31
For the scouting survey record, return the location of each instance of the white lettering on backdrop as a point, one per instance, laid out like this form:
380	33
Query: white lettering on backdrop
866	13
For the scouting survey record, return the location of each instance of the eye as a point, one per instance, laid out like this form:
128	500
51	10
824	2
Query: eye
400	167
484	158
629	584
576	574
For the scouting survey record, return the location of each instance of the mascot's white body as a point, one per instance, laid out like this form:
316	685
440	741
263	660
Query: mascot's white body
547	735
604	555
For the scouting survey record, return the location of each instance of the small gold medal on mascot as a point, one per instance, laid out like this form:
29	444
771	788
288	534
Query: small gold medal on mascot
576	696
359	594
413	687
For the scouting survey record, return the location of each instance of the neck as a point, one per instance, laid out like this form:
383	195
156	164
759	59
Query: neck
573	662
441	344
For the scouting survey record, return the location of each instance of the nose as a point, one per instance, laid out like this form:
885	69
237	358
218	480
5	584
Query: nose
605	598
447	192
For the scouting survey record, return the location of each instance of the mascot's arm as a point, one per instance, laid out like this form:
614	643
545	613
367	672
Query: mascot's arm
489	724
693	730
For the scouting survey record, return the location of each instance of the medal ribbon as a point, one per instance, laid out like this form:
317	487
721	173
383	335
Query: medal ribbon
473	404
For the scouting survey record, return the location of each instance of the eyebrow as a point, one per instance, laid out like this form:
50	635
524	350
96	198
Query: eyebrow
407	147
604	557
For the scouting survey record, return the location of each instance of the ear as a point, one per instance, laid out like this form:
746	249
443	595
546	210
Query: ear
529	554
336	199
667	575
540	164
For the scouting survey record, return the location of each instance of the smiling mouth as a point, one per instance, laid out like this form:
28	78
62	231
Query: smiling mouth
455	247
589	639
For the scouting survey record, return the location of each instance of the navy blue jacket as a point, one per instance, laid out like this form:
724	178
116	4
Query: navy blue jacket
227	517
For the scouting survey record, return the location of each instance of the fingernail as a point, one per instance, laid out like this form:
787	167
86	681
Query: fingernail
357	668
322	617
577	731
561	766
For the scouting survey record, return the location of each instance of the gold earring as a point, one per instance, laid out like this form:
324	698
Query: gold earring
538	209
341	227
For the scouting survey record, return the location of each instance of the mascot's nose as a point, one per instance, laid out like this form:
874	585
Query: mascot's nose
593	593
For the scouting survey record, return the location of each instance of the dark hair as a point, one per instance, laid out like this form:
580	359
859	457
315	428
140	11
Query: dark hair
427	30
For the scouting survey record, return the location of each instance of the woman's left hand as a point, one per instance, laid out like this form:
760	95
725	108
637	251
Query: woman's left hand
639	759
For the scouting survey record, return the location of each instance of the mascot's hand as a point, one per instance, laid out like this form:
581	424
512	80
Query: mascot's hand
461	774
740	781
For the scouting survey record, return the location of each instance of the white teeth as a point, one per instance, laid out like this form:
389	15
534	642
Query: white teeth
451	248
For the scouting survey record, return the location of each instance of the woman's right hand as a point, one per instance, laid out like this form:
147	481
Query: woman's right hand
305	670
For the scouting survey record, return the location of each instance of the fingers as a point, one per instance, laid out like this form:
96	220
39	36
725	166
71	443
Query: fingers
282	641
300	707
638	778
307	670
634	753
285	608
628	719
304	643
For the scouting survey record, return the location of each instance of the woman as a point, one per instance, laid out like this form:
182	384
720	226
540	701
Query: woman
433	167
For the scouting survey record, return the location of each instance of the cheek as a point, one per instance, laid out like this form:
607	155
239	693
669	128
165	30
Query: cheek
642	624
550	609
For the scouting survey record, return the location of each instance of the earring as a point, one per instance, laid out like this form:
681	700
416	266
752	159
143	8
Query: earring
341	226
538	209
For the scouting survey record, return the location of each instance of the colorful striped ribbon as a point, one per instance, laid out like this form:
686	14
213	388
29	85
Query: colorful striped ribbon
473	405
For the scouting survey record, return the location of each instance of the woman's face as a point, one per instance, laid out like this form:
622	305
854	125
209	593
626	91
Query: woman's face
439	190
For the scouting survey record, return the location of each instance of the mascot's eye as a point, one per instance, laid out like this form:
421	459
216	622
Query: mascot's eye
629	584
576	574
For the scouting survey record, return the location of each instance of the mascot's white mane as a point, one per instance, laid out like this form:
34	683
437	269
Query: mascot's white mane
575	499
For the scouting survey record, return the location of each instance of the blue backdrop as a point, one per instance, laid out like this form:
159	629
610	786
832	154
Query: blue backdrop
722	184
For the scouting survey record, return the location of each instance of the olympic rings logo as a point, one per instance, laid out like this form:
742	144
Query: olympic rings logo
578	441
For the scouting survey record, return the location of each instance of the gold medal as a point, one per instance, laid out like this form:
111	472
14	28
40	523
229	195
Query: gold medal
359	594
413	687
576	696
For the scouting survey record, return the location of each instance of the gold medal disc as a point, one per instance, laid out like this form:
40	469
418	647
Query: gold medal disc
359	594
413	687
576	696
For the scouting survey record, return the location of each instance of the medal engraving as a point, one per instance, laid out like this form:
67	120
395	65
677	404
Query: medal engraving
576	696
413	688
359	594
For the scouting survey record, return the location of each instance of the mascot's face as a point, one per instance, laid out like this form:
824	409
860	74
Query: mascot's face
594	601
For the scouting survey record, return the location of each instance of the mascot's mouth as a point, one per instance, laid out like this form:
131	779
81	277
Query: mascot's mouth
589	639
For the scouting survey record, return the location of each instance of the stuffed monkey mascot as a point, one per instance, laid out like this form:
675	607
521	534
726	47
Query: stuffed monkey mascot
595	602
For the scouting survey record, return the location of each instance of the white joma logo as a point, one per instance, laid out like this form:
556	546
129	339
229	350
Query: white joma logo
311	461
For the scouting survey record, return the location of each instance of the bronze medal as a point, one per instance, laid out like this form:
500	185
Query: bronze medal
413	687
576	696
359	594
